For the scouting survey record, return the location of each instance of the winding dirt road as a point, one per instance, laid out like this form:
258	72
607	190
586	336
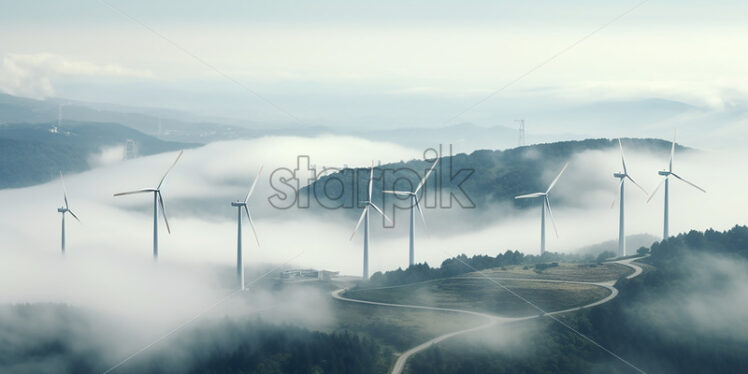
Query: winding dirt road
491	320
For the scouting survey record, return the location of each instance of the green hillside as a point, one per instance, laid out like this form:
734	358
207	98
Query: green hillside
35	153
686	314
490	176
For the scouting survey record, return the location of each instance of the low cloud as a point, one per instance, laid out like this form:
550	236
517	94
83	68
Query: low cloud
107	155
709	301
31	75
108	266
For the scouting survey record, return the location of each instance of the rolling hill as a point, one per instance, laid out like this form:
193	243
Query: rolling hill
684	315
502	174
35	153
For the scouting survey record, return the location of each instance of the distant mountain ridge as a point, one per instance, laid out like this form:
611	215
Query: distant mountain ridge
599	118
178	126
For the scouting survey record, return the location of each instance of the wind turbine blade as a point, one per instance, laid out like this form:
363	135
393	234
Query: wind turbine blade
637	184
692	185
170	167
371	179
423	218
134	192
380	212
557	177
672	151
550	214
361	219
402	193
656	189
618	191
163	212
252	225
251	189
73	214
623	160
530	195
425	177
64	191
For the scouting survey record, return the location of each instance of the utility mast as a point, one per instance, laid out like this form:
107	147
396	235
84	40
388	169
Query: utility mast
521	137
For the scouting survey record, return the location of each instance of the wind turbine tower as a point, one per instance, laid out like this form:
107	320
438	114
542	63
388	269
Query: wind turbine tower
413	195
365	218
546	204
623	176
239	204
157	200
666	173
63	210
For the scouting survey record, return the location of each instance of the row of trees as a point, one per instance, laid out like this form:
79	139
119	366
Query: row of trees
463	264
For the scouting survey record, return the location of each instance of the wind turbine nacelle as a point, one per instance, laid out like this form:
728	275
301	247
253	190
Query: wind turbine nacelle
61	210
663	172
237	203
619	175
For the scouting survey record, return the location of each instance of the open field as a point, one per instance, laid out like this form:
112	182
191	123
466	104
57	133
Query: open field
564	271
481	295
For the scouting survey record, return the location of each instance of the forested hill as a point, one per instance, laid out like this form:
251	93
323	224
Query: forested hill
685	314
489	176
35	153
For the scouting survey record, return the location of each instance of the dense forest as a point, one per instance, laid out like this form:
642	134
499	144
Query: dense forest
687	315
53	338
254	347
35	153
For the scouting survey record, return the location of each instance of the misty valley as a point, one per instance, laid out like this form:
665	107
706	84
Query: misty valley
332	187
659	316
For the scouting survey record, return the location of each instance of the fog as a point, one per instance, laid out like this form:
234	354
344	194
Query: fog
200	188
109	268
710	303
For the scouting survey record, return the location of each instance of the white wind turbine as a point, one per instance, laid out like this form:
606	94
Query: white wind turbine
239	204
623	176
157	200
667	173
546	203
414	204
65	209
365	218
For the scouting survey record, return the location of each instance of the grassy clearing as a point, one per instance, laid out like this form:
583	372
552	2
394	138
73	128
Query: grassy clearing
564	271
479	294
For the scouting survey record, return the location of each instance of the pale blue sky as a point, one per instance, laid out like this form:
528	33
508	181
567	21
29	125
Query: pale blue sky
375	63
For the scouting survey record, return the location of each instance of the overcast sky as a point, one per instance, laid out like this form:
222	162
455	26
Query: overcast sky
339	62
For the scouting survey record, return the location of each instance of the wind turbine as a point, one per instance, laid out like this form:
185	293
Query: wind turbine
239	204
157	200
667	173
546	203
414	204
365	217
623	176
65	209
